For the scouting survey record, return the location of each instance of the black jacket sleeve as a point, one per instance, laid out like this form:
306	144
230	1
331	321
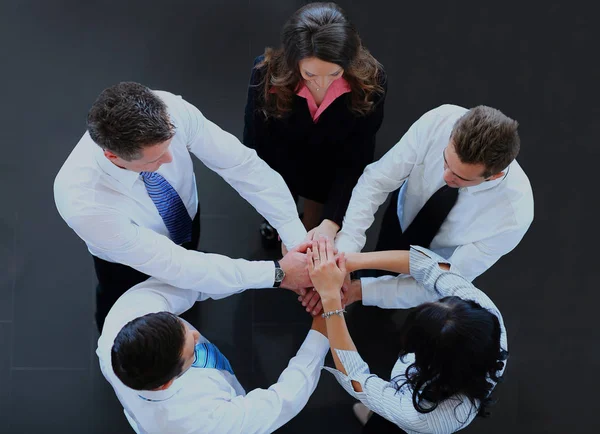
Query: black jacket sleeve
254	120
357	154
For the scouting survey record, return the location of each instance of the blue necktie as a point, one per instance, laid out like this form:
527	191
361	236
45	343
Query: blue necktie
209	356
170	207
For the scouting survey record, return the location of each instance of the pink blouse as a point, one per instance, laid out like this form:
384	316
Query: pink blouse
336	89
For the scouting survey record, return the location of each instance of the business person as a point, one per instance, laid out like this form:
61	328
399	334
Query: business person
171	379
458	189
317	101
453	345
128	190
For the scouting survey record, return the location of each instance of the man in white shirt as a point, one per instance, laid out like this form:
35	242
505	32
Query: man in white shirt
128	190
458	190
471	151
171	379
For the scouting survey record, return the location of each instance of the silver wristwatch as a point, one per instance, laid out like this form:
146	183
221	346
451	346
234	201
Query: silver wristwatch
279	275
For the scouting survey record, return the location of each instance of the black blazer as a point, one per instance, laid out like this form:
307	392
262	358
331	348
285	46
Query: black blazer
320	161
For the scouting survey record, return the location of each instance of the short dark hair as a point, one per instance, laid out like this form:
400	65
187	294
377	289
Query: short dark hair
456	344
485	135
127	117
147	352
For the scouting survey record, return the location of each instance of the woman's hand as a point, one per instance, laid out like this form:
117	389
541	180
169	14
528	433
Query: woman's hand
326	272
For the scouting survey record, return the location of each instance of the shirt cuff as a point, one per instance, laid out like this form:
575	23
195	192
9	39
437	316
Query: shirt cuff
424	266
344	243
357	370
266	274
370	294
292	233
316	343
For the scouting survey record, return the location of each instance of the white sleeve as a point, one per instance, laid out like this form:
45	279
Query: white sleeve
394	292
123	242
248	174
263	411
473	259
377	181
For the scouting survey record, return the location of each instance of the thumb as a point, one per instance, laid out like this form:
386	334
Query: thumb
302	247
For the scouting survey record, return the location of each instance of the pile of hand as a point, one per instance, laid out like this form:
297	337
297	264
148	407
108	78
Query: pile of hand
315	271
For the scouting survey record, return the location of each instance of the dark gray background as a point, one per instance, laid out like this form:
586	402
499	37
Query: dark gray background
538	64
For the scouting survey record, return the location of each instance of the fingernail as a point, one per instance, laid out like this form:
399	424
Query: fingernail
304	304
307	309
314	312
299	298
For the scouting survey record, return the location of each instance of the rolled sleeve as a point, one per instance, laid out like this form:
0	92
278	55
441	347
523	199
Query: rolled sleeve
394	292
356	368
424	266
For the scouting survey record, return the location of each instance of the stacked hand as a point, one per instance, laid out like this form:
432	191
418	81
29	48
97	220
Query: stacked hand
296	265
327	271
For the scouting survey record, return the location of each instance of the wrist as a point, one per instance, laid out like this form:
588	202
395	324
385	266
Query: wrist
357	289
352	261
318	324
330	224
331	304
279	274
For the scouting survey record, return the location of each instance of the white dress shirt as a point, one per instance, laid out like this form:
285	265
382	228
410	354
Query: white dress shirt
487	221
382	396
109	207
206	400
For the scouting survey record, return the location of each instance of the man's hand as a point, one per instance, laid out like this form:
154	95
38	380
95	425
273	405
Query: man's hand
353	294
296	272
327	229
284	250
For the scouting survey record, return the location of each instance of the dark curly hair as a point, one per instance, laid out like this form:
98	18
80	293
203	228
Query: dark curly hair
457	351
319	30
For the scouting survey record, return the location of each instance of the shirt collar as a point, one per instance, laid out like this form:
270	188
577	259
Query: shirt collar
335	90
486	185
124	176
161	395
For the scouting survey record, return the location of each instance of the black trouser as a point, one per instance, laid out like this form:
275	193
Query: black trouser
115	279
378	425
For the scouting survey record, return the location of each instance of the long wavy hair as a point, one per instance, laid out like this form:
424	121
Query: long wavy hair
319	30
457	351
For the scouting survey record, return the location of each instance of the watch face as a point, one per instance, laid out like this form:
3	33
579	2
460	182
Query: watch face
279	275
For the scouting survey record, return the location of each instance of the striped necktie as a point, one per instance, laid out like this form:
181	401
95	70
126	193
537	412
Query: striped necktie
209	356
170	207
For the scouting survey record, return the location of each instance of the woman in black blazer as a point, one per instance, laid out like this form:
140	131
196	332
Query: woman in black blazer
314	107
